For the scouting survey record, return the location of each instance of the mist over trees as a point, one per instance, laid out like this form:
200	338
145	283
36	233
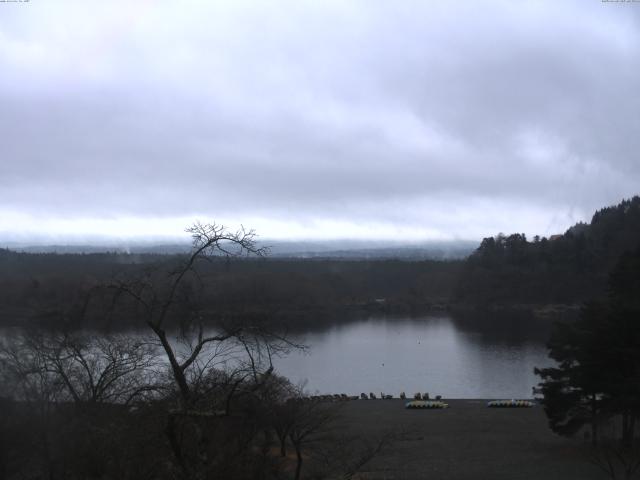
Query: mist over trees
504	270
181	397
568	268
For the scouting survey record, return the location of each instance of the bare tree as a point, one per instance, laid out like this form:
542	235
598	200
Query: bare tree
615	459
309	422
212	363
316	433
54	367
159	297
344	456
68	391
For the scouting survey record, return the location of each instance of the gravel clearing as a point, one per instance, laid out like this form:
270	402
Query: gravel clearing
466	441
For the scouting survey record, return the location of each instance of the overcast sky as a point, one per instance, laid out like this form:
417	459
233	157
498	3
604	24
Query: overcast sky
318	119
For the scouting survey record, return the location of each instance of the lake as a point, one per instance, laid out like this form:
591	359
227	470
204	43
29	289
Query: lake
434	354
430	354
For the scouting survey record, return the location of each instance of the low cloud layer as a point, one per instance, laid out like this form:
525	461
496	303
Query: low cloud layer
316	119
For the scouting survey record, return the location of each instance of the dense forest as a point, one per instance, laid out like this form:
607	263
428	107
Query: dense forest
562	269
296	291
506	270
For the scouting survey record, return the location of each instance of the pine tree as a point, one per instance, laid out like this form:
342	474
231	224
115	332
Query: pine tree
597	377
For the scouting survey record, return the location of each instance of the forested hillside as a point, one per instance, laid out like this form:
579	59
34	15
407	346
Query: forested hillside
565	269
297	290
505	270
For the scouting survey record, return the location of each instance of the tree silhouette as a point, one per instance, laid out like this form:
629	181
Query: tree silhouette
597	379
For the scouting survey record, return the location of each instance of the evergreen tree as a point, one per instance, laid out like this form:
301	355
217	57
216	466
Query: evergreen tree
568	268
597	377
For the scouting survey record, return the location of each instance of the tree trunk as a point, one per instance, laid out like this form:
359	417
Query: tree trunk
174	442
178	373
266	445
299	464
283	446
626	433
594	421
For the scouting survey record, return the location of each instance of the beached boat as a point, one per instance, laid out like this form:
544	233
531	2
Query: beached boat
510	404
426	404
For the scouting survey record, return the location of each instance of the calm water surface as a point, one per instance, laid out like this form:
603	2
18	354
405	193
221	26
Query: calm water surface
431	354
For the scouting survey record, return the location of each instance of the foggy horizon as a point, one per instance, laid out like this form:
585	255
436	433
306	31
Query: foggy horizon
298	239
304	121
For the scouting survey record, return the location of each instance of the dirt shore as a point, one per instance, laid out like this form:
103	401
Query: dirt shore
466	441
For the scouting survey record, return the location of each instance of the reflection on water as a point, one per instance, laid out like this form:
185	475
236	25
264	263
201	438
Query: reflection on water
431	354
427	355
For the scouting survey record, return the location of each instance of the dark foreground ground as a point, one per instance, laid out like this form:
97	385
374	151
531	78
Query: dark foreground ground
466	441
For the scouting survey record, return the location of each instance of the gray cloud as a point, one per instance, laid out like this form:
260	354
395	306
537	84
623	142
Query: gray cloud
317	119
